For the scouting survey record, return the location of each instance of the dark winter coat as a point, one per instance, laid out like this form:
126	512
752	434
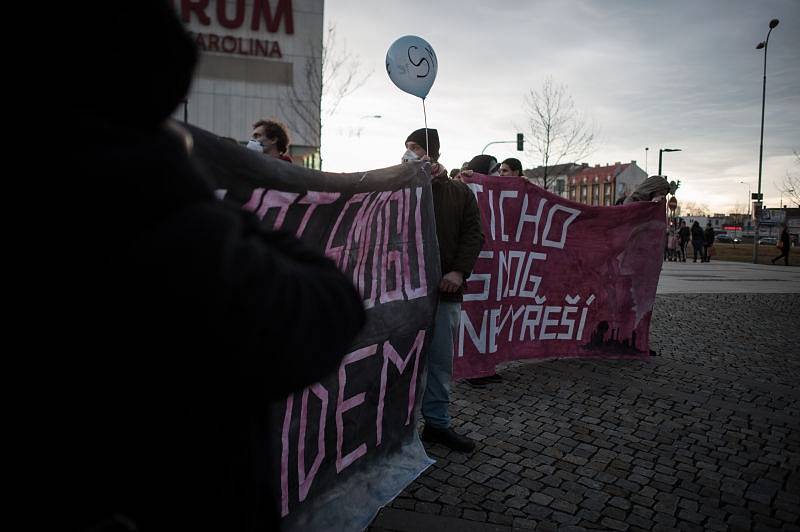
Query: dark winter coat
167	320
697	234
708	236
458	228
786	241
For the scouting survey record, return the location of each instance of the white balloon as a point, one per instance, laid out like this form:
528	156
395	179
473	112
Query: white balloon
411	64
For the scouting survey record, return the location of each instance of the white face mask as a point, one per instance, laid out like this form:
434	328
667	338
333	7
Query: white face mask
409	156
255	146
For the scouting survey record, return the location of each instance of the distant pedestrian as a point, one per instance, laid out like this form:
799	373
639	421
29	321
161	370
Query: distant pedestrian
708	241
672	245
784	244
666	245
684	235
698	242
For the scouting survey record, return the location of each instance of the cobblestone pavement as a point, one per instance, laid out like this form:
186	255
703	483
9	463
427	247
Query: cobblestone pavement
703	436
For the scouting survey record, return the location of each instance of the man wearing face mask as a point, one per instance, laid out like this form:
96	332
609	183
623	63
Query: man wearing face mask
415	150
270	138
458	229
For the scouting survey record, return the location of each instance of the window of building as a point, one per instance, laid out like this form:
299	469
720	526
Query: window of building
607	194
595	194
584	194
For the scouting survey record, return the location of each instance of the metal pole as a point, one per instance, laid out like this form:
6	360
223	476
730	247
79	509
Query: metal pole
761	147
645	159
659	161
498	142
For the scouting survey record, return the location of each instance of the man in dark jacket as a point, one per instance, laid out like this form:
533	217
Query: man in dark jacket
708	241
172	319
684	235
458	229
698	241
785	244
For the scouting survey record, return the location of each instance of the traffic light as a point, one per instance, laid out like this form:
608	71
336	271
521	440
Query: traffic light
520	140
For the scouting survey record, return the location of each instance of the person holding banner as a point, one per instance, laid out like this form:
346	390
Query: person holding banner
482	164
270	138
167	320
458	229
510	167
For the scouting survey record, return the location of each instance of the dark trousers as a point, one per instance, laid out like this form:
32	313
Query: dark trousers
699	248
784	254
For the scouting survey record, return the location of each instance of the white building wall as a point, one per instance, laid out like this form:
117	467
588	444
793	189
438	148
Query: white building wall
628	180
228	106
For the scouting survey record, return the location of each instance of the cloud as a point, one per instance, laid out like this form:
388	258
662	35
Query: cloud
652	74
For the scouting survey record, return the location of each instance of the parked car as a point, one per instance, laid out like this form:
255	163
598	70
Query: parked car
768	241
724	237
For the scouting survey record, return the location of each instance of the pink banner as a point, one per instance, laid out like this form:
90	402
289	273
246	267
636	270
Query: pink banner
557	278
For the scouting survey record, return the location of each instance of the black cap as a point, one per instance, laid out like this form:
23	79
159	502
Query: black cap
418	136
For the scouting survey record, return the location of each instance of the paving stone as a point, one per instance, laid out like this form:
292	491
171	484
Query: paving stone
427	508
614	524
702	436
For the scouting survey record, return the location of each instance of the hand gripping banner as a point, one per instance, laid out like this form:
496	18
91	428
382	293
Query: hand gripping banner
348	445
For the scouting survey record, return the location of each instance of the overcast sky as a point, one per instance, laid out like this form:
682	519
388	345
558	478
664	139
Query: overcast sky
658	74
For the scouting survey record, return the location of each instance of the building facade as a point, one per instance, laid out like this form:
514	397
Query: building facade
557	176
604	185
258	59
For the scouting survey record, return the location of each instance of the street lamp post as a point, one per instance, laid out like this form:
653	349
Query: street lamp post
647	149
763	44
662	150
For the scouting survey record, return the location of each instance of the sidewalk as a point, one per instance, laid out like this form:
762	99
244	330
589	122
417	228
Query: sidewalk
703	436
717	277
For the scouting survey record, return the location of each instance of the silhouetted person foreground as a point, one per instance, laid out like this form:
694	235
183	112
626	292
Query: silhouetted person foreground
171	320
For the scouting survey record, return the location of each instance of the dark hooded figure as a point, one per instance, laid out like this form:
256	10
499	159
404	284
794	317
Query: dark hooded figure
482	164
698	241
172	319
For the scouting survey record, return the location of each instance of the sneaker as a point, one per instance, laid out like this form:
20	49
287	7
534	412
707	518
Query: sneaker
449	438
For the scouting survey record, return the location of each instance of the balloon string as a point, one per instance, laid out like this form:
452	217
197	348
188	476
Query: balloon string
425	114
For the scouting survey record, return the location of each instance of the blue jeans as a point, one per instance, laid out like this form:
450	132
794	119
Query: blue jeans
440	365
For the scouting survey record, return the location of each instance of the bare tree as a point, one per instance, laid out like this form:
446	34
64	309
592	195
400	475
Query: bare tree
558	130
691	208
790	188
331	73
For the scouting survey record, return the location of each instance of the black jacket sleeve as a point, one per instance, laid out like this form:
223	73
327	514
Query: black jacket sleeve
285	312
470	239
